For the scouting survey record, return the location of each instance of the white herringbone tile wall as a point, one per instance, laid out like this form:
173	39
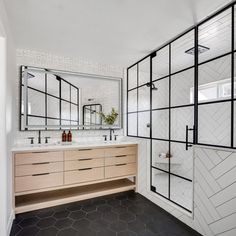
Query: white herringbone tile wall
214	190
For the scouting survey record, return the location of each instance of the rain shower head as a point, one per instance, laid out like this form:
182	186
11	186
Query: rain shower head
201	49
153	86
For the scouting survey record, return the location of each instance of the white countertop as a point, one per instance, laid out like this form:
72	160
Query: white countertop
69	146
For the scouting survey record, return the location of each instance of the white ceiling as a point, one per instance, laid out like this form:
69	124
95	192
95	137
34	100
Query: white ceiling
116	32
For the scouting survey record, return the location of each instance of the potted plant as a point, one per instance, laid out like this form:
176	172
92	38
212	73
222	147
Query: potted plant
110	118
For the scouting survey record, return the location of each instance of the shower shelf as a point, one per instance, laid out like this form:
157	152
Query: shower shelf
173	161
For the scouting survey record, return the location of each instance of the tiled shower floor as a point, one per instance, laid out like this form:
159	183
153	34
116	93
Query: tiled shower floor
123	214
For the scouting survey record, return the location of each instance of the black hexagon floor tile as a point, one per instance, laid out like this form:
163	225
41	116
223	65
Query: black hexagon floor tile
75	215
110	216
84	231
127	217
29	221
61	214
94	215
126	233
106	232
52	231
89	207
63	223
82	223
118	226
67	232
44	213
46	222
136	226
123	214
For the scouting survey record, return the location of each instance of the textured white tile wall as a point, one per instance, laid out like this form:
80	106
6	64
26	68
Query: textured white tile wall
47	60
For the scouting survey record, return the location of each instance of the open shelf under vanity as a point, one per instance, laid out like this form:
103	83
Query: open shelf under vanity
41	200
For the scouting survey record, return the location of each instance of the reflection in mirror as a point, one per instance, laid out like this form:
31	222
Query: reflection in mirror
54	100
91	115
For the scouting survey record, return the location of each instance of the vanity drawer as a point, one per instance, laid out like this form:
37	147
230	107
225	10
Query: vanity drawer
117	151
120	159
84	154
35	182
36	168
38	157
84	163
84	175
120	170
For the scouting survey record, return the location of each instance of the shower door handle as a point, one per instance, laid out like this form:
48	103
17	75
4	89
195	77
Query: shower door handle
189	129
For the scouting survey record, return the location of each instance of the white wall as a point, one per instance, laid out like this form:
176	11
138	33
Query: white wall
7	121
51	61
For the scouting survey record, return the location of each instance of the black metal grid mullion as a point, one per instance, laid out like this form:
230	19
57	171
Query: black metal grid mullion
46	100
60	102
51	95
179	176
137	98
127	99
78	101
169	119
232	78
150	114
196	103
70	104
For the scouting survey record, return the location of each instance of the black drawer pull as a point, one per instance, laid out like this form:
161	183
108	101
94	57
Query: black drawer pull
87	149
40	174
88	159
120	147
121	156
41	163
85	169
121	164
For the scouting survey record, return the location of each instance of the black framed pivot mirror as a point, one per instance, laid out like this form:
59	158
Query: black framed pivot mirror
54	100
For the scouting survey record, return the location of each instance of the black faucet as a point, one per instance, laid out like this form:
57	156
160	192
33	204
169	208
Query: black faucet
111	131
39	138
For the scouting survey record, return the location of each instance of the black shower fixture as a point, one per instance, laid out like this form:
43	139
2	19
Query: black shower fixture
201	49
153	86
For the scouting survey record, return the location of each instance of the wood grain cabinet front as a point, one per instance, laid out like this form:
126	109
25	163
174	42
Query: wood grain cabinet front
120	170
84	163
38	168
38	181
120	150
37	157
120	159
84	175
83	154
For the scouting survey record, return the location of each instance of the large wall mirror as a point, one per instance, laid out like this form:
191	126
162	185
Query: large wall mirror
54	100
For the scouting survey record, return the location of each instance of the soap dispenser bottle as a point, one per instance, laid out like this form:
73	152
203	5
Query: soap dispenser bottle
69	136
63	138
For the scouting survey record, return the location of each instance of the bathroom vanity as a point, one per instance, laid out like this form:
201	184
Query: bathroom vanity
52	175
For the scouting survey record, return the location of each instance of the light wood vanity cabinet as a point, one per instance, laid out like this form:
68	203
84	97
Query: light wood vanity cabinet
38	170
80	173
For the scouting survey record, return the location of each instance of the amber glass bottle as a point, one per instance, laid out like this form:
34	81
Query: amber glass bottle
69	136
63	137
